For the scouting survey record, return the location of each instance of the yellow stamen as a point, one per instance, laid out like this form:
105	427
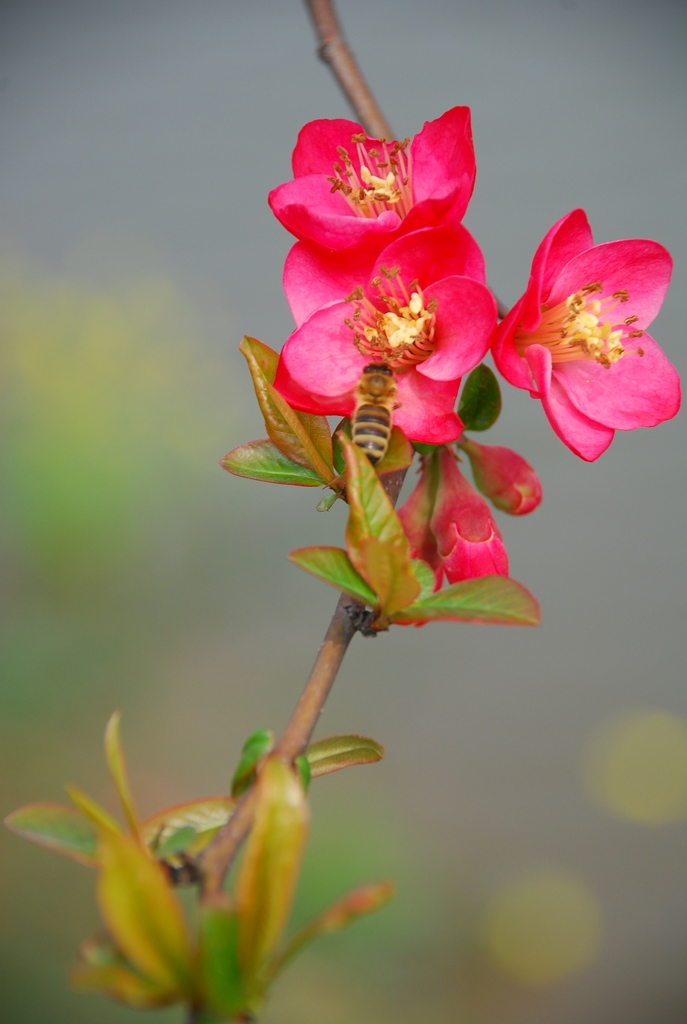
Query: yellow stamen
580	328
400	335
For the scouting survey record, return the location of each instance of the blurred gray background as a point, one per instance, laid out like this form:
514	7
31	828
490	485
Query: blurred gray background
534	796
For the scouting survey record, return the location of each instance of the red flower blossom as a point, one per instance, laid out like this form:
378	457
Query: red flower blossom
417	308
450	526
350	190
577	338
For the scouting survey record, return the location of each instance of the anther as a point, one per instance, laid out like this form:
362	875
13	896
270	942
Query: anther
622	295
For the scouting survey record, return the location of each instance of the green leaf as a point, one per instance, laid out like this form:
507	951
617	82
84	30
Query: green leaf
494	599
177	842
142	913
57	827
96	814
398	455
424	574
206	817
337	752
117	768
301	437
341	430
303	766
424	449
326	503
265	358
345	911
269	870
218	965
480	402
102	968
387	568
333	566
256	746
262	460
376	543
372	514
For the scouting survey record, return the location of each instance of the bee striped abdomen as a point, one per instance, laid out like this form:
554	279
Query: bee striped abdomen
371	430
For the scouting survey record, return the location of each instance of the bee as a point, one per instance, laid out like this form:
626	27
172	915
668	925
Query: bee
371	421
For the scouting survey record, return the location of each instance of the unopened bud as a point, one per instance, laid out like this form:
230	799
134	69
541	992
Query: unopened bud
504	476
468	540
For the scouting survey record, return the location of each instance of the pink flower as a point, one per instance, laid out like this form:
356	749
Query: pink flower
420	308
450	526
350	190
504	476
577	338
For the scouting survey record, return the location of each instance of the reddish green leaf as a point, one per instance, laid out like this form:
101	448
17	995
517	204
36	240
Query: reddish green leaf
424	574
143	914
372	514
337	752
96	814
218	966
376	543
345	911
256	746
398	455
102	968
333	566
58	828
269	870
303	438
117	767
204	816
262	460
386	566
495	599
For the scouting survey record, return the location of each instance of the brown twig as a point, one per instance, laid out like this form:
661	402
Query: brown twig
334	51
219	855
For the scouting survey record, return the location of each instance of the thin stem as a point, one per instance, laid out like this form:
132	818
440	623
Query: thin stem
300	726
219	855
334	51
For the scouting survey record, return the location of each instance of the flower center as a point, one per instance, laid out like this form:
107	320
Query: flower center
399	331
383	181
582	328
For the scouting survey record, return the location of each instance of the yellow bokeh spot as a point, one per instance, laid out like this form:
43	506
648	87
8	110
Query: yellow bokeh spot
636	765
543	928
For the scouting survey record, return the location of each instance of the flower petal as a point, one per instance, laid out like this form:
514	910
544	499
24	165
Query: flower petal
634	392
320	356
443	158
513	367
465	321
431	254
583	436
426	408
316	148
567	238
638	265
308	209
314	277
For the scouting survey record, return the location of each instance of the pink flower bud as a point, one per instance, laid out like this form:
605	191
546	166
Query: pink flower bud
504	476
468	540
415	515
